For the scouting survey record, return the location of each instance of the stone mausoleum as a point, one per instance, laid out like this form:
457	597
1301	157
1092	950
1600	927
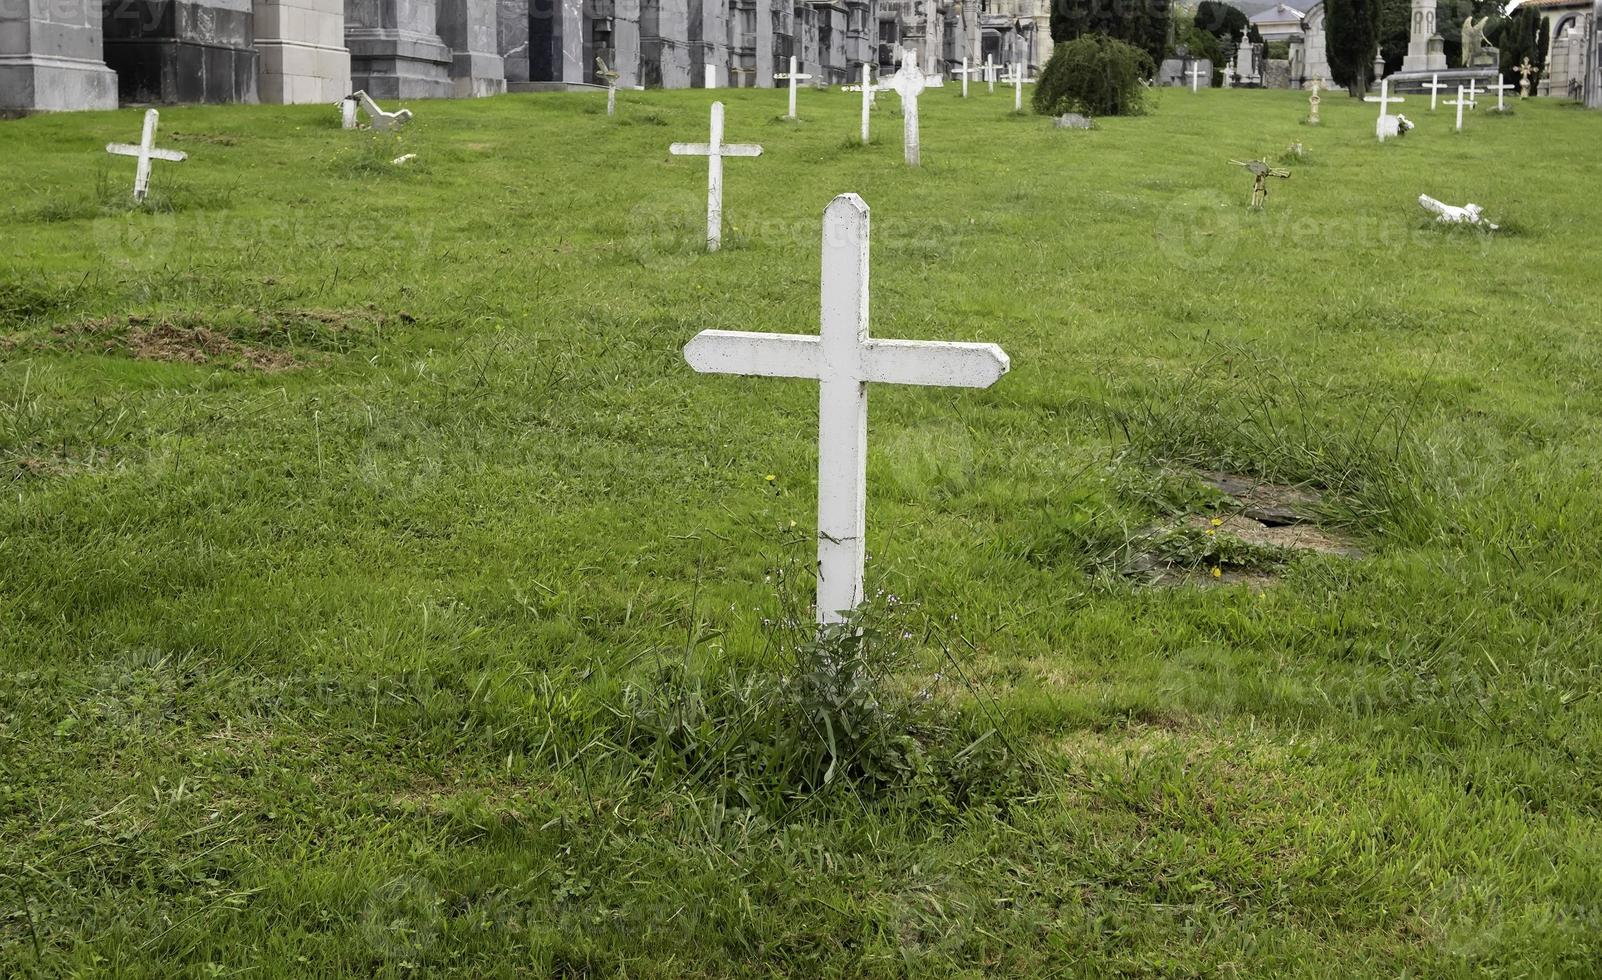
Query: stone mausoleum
95	54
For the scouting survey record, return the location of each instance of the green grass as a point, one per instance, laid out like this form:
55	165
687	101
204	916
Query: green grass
316	656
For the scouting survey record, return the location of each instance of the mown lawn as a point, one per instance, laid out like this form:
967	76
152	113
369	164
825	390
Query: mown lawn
363	523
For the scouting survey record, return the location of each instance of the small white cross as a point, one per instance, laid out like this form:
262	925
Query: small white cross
1017	81
867	101
909	83
990	74
1435	86
1499	88
965	71
610	77
794	77
1460	102
146	151
1473	91
1385	99
715	150
844	360
1195	74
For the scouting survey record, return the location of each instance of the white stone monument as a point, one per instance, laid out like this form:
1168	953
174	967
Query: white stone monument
844	360
715	150
1385	123
1471	214
1424	51
347	112
908	82
146	151
794	76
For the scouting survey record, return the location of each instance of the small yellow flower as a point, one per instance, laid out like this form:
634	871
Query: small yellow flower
1218	572
792	523
1211	532
1217	522
770	478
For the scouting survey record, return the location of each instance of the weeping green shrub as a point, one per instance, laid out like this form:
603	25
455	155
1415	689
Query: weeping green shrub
1095	75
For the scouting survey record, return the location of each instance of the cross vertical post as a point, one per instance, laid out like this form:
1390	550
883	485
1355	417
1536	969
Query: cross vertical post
1460	102
867	102
1195	74
990	73
908	82
844	360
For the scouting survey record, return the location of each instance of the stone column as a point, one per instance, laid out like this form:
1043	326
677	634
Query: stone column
302	49
182	50
469	28
1421	28
395	52
664	44
708	36
50	56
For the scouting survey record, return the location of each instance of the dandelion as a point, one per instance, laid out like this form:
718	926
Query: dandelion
1217	522
1218	572
770	478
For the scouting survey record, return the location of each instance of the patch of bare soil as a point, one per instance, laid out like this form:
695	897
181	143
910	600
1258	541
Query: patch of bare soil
1291	537
165	341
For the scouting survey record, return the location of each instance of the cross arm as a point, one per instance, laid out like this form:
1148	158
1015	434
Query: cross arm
767	355
938	363
740	150
690	149
130	150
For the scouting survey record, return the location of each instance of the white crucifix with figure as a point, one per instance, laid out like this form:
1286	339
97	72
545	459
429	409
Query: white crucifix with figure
844	360
1196	74
146	151
908	82
794	76
1435	87
1385	100
715	150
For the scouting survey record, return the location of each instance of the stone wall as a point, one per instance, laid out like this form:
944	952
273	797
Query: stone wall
51	56
302	49
181	50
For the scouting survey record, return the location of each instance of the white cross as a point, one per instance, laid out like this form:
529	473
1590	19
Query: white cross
1195	74
610	77
715	150
965	71
794	77
146	151
1499	88
1385	99
844	360
990	74
1473	93
1017	80
1435	86
908	82
867	102
1460	102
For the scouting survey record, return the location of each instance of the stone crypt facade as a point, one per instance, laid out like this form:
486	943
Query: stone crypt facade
96	54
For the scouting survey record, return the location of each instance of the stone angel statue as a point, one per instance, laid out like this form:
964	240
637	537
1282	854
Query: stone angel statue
1475	47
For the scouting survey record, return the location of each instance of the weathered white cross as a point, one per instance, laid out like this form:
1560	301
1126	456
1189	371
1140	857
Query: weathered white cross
1017	81
965	71
867	101
715	150
1460	102
1195	74
794	77
1525	70
1473	93
1435	86
908	82
990	73
1385	99
844	360
146	151
610	77
1499	88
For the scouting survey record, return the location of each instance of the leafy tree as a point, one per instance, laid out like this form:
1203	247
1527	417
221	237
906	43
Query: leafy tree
1143	23
1523	35
1096	75
1221	21
1351	37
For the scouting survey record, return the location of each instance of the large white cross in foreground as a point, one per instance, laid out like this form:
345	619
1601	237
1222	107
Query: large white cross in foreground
714	151
794	77
908	82
1385	99
844	361
146	151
